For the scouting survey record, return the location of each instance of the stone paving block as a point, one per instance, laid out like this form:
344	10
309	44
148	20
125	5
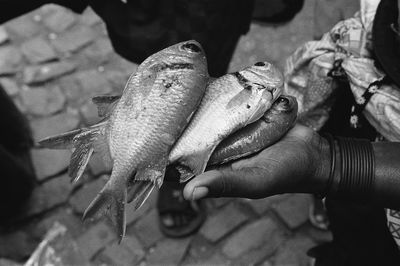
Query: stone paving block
23	26
16	245
95	239
99	51
49	194
59	20
49	71
89	17
3	35
168	252
52	125
74	39
117	79
93	83
7	262
147	229
10	59
64	216
267	263
258	255
85	195
216	259
10	86
49	162
293	252
250	237
222	223
38	50
293	210
97	165
133	215
260	206
129	252
73	91
200	249
43	101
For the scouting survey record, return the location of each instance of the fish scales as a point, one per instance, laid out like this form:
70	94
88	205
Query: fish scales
139	128
229	103
258	135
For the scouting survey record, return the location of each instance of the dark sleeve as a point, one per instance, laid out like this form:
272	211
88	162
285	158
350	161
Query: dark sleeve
13	8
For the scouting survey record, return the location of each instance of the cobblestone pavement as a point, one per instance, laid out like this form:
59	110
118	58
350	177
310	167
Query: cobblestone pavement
51	62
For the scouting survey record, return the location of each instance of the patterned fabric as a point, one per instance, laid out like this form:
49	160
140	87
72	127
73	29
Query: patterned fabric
345	52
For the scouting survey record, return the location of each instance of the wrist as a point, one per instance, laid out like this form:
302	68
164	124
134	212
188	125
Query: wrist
323	168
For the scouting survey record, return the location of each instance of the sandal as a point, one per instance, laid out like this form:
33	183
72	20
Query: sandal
177	216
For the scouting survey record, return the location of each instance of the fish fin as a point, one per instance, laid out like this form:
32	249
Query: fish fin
105	103
83	151
111	200
239	99
153	174
258	113
61	141
79	160
197	162
139	191
185	173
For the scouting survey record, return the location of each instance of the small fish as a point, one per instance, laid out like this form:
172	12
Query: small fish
229	103
139	128
258	135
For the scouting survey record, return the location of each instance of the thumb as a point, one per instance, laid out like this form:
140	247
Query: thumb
224	183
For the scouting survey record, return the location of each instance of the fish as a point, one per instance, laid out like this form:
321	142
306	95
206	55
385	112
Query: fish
229	103
272	126
139	128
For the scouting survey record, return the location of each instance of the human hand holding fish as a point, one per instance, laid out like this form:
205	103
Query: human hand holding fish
298	163
170	113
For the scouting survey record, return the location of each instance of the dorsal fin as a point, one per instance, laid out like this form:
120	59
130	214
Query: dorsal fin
105	103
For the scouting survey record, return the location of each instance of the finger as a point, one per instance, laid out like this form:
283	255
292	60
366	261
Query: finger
226	183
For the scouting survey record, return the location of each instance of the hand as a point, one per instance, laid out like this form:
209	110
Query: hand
298	163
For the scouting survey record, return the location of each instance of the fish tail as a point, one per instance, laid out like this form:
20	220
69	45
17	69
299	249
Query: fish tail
82	140
197	162
139	191
111	200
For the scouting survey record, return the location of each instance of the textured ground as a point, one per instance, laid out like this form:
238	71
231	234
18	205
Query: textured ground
51	62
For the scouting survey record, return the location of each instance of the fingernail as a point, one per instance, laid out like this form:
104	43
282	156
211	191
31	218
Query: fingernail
199	192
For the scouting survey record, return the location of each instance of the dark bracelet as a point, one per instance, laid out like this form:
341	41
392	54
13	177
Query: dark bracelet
332	149
354	173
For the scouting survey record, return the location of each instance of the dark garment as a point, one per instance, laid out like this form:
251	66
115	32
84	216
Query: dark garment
140	28
360	233
17	175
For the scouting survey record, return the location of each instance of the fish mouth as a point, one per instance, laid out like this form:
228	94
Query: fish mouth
269	75
285	103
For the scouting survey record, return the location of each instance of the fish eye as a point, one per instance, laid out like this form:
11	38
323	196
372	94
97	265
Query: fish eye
191	47
259	64
284	101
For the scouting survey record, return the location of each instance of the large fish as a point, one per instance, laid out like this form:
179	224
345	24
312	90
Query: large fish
140	129
264	132
229	103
